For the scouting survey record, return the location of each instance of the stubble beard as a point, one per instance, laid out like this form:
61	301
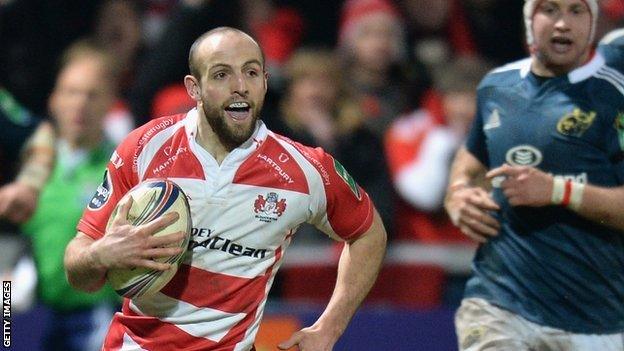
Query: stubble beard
230	136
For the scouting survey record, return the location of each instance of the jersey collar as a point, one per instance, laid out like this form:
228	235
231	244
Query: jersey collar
257	138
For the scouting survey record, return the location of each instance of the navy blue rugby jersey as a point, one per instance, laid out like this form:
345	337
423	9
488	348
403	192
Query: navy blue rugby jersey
611	47
548	264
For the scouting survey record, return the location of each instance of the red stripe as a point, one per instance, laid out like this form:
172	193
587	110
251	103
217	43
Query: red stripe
155	335
114	337
217	291
238	332
220	292
567	193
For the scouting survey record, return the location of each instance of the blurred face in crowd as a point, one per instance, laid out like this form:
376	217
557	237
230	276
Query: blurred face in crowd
313	91
81	98
118	28
377	42
232	85
561	31
429	15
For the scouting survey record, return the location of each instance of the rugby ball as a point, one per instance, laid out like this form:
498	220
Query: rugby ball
152	199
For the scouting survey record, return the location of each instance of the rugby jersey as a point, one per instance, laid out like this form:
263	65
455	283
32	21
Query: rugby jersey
549	264
244	213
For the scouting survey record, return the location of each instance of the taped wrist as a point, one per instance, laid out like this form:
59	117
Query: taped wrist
567	193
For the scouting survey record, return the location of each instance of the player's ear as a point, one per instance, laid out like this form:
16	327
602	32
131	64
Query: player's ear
192	87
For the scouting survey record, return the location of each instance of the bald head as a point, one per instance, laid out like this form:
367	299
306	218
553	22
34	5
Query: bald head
215	35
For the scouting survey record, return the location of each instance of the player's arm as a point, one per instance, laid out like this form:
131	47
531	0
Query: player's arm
529	186
467	201
602	205
358	267
123	246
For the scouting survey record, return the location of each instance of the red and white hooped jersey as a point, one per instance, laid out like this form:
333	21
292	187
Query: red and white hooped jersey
244	214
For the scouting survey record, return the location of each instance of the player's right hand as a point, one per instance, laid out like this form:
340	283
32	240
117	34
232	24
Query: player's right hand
469	208
128	246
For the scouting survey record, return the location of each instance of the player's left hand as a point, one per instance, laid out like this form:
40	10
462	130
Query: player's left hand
309	339
524	186
17	202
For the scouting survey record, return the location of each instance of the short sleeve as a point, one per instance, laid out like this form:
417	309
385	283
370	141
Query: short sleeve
340	207
476	142
119	177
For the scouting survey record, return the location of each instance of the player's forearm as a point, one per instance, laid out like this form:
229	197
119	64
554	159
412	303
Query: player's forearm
357	271
466	170
82	269
603	205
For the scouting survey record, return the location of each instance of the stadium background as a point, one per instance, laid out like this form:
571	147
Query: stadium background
411	306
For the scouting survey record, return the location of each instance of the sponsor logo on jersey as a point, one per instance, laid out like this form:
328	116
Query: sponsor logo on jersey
145	138
280	171
201	238
576	122
116	160
346	177
171	157
102	194
269	209
493	121
524	155
619	126
578	178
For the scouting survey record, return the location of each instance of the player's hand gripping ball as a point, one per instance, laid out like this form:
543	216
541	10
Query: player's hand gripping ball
152	199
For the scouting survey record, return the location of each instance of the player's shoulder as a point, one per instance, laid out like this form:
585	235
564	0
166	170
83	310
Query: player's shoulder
309	152
613	39
316	157
506	75
611	47
141	135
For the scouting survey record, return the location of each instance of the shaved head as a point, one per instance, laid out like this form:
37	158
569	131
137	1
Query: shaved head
195	63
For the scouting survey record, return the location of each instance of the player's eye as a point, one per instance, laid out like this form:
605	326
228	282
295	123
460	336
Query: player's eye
579	10
548	8
219	75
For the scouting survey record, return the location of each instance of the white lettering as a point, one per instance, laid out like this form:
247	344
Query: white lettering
282	173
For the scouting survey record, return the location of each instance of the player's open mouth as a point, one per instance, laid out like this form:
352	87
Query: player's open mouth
239	111
561	44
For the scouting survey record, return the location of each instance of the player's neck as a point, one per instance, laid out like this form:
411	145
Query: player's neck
209	140
543	69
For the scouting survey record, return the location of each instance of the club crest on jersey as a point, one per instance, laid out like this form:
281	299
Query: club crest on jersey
619	126
102	194
346	177
269	209
576	122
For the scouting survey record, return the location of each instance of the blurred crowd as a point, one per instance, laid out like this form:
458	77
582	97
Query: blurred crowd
387	87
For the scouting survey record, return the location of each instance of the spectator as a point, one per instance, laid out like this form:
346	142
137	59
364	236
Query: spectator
372	44
33	34
317	110
84	92
26	146
118	29
419	148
